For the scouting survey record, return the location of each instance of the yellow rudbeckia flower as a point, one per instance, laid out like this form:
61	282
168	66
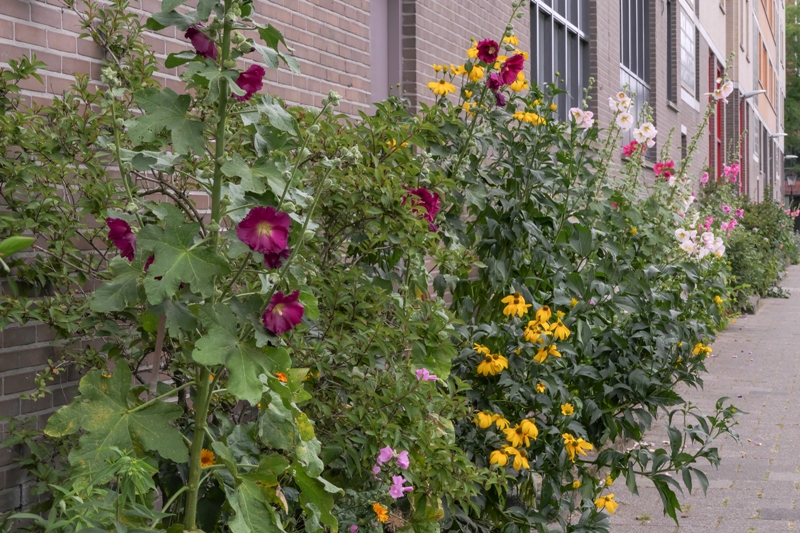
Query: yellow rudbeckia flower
540	387
480	348
567	409
472	53
476	74
544	351
607	503
561	332
492	364
483	420
543	314
511	39
515	305
441	87
497	457
576	484
573	302
573	446
500	422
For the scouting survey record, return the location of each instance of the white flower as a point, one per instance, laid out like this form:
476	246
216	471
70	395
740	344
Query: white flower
720	251
718	243
671	180
625	121
613	104
693	234
703	252
650	143
639	136
624	104
573	219
681	234
684	295
577	114
621	95
727	88
687	246
707	238
649	130
588	120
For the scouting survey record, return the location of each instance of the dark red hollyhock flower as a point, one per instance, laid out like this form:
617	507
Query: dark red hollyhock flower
283	313
202	44
494	82
265	230
123	238
250	81
149	262
487	51
275	260
430	202
512	66
501	100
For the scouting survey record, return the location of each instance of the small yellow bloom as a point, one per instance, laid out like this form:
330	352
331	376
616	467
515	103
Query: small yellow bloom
634	231
701	348
106	375
561	332
607	503
480	348
442	87
520	84
477	72
543	314
576	484
524	54
511	39
281	376
532	331
500	422
483	420
211	377
680	344
381	512
497	457
459	70
465	106
521	460
541	355
573	302
609	480
573	446
492	364
467	94
718	299
567	409
522	433
438	68
207	458
537	103
540	388
472	53
553	107
515	305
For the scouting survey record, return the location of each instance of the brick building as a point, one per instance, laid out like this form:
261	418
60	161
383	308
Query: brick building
668	51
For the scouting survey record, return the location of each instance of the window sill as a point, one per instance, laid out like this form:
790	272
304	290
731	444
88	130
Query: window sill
672	105
722	7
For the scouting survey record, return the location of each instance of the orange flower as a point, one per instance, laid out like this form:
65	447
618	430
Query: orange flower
381	511
207	458
281	376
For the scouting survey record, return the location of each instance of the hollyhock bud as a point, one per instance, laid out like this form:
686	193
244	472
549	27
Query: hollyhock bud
275	260
500	99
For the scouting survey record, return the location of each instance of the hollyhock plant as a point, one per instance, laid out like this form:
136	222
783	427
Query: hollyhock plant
149	262
488	50
423	374
511	67
275	260
265	230
397	490
283	313
629	149
664	168
428	201
385	455
204	46
500	99
740	213
494	82
403	460
122	236
250	81
704	178
726	209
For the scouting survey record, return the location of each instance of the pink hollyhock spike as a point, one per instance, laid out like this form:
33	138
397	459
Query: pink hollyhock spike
265	230
123	238
283	313
397	490
353	528
250	81
376	470
385	455
202	44
275	260
630	148
403	460
511	67
488	50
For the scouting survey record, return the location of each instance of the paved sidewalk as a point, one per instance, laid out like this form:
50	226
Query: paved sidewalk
757	487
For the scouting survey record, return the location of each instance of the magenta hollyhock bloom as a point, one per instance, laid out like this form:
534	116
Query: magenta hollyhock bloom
494	82
512	66
423	374
501	100
402	460
386	454
283	313
275	260
428	201
202	44
488	50
704	178
630	148
250	81
265	230
123	238
397	489
740	213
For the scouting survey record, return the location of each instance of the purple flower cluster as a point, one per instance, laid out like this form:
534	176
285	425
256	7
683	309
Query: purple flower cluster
387	454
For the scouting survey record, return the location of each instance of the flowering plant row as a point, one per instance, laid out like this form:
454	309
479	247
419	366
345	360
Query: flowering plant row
309	373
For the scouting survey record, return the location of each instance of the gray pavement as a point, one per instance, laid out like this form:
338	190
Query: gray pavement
757	486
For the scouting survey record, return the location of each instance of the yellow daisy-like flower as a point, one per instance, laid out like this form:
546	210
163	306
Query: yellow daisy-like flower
540	387
576	484
511	39
609	480
467	94
472	53
529	428
438	68
537	103
524	54
458	70
207	458
492	364
573	302
718	299
544	351
701	348
680	344
520	84
483	420
381	512
521	460
515	305
521	434
480	348
442	87
500	422
497	457
543	314
560	332
607	503
634	231
553	107
567	409
465	106
573	446
477	72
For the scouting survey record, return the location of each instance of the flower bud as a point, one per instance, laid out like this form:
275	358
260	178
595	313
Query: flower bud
289	207
221	160
237	37
112	147
308	234
313	129
130	207
225	201
229	63
213	227
119	122
207	174
509	28
334	98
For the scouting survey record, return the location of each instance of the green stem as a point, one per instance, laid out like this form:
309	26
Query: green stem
159	398
173	498
238	273
202	398
222	111
126	177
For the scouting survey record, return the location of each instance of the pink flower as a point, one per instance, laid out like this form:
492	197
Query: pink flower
265	230
376	470
123	238
630	148
202	44
704	178
275	260
487	51
426	200
494	82
386	454
397	489
283	313
424	375
740	213
614	204
250	81
664	168
511	67
402	460
500	100
353	528
726	209
731	171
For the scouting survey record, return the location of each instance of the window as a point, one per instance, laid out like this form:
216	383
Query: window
560	43
385	47
672	66
688	52
635	54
